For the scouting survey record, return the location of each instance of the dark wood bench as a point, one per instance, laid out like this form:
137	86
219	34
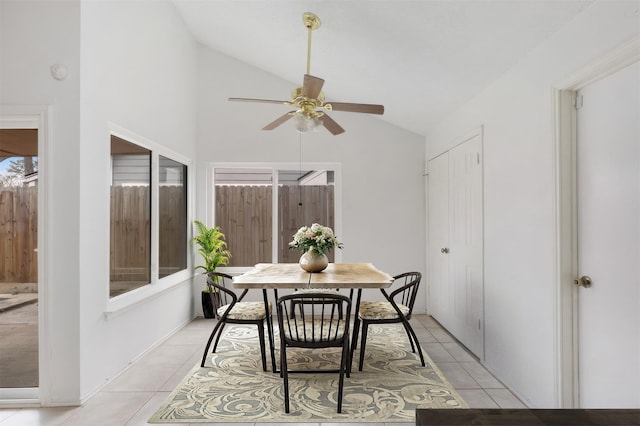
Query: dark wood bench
527	417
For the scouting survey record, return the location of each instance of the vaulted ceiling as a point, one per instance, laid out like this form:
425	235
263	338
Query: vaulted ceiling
420	59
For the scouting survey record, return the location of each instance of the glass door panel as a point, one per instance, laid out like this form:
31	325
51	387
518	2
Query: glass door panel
304	198
19	258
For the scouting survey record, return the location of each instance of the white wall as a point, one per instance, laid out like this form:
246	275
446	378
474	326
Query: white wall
517	115
134	65
139	73
33	36
383	205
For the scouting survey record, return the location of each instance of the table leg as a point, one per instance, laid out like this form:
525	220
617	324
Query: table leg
356	327
269	329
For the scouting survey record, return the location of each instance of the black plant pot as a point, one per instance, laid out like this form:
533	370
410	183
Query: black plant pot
210	304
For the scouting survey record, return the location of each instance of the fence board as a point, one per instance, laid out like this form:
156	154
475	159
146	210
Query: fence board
173	230
302	206
244	214
18	234
130	244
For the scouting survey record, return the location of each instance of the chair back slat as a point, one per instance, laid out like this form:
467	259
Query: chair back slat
223	284
405	290
319	325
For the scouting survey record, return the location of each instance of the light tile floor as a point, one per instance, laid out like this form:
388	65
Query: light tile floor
134	396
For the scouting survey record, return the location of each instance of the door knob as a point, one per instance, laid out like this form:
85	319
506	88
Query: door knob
584	281
444	250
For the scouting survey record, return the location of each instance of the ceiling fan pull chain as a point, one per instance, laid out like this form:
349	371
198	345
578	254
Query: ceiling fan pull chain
300	171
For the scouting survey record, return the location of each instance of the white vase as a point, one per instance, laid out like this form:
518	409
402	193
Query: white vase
312	261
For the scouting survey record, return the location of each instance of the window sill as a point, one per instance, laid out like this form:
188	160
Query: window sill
120	304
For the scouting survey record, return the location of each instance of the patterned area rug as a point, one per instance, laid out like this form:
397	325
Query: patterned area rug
235	389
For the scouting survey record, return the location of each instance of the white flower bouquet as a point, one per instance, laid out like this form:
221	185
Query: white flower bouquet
316	237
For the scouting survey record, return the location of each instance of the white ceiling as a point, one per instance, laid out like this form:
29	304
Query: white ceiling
420	59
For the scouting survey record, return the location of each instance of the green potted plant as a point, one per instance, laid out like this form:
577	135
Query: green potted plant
213	249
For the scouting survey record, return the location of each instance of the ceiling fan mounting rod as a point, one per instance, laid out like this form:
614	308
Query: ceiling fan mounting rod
312	22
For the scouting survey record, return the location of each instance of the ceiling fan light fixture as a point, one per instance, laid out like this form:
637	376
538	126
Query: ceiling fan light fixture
305	123
309	99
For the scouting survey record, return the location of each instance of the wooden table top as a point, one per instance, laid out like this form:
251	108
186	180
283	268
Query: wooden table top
291	275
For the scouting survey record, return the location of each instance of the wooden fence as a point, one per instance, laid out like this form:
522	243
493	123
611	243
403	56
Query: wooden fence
173	230
244	214
18	235
130	237
131	232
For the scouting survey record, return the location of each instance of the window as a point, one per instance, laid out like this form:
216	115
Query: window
130	251
304	198
245	211
172	199
148	216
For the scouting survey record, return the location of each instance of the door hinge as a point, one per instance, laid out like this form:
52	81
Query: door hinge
578	102
478	157
479	326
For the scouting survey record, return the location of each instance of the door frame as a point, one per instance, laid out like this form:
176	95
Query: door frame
566	256
38	117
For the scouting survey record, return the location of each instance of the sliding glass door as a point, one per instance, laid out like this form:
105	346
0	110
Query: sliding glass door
19	257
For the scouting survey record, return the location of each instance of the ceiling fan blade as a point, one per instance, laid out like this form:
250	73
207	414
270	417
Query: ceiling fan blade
264	101
331	125
364	108
312	86
278	121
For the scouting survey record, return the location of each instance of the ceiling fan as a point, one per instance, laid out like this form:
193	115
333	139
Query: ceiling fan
309	99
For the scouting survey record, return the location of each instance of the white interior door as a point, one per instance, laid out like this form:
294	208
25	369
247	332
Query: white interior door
465	241
608	203
438	228
455	249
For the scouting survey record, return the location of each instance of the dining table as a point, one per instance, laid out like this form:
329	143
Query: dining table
280	276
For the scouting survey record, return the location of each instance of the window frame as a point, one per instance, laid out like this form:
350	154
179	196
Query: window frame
157	285
275	167
187	186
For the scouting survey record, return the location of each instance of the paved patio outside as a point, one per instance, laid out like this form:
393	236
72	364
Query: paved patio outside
18	340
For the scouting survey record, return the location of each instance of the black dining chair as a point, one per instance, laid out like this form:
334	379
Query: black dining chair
397	308
235	311
294	303
319	325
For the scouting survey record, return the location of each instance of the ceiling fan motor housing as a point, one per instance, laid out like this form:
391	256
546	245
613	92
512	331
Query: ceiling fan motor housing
308	106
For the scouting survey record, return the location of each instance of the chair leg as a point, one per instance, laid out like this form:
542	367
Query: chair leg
348	360
285	377
262	348
206	348
215	345
354	340
343	368
407	330
363	343
354	337
415	339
